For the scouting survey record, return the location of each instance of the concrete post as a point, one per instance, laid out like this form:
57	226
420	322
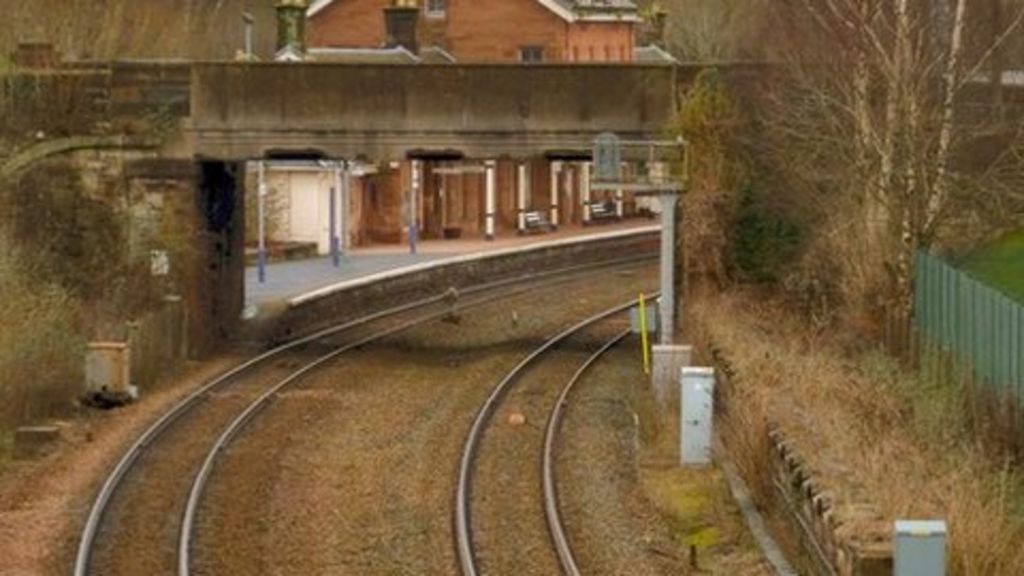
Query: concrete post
666	304
522	191
556	168
619	209
585	190
666	362
491	198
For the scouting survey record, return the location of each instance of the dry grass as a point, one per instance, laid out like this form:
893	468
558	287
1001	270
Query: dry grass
99	29
881	440
40	348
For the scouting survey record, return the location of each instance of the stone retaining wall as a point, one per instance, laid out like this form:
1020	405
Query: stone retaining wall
831	539
352	299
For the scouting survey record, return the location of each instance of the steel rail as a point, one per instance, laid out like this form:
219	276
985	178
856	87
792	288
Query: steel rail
201	479
552	511
463	520
114	480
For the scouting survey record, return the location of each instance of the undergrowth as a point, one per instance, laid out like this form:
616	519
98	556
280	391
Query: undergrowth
874	435
40	345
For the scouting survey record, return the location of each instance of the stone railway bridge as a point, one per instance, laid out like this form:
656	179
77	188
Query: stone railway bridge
184	132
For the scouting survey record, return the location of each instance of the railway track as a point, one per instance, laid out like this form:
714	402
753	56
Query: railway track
150	484
526	493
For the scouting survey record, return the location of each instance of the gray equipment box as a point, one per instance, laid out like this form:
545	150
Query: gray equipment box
920	548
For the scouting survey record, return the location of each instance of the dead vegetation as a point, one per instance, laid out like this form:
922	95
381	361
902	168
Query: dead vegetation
105	29
885	443
40	348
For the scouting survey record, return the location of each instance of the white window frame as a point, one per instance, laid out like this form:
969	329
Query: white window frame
430	9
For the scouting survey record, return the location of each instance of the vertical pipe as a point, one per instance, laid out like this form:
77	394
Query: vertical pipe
619	211
556	168
490	200
261	193
249	22
521	197
414	230
585	190
644	347
668	243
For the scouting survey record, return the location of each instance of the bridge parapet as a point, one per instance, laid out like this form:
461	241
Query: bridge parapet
244	110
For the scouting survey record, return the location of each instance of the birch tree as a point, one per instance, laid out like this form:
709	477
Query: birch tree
878	121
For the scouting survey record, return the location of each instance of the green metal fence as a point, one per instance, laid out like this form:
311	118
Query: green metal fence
980	327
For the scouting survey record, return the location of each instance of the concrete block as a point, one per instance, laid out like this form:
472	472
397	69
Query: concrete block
666	362
34	441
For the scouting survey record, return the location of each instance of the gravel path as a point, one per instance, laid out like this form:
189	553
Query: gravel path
626	509
353	471
43	502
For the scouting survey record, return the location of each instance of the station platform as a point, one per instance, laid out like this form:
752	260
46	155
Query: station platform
288	280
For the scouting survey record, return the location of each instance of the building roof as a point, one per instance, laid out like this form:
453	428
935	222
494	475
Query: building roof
568	10
396	55
653	54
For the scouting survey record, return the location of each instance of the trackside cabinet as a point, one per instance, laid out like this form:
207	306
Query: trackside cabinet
919	548
696	410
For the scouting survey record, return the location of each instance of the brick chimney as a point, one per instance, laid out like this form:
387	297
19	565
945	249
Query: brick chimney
400	22
653	29
291	25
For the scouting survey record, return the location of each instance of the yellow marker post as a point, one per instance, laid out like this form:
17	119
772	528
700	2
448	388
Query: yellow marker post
643	335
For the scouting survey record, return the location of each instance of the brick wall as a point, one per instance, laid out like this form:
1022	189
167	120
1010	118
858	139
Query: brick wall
349	24
494	30
605	42
480	30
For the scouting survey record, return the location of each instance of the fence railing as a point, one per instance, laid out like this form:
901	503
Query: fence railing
979	327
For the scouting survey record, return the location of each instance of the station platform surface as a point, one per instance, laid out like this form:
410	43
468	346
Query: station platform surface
286	280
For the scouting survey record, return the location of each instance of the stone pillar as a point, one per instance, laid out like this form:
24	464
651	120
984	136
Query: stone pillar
203	205
556	168
491	191
522	191
585	190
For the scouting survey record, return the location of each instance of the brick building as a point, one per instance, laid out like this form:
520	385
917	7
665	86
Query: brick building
483	30
441	193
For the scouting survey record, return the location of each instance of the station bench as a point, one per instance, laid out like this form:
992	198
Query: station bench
602	211
536	221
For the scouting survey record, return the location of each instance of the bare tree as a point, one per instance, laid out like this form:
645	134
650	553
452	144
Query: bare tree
877	120
712	30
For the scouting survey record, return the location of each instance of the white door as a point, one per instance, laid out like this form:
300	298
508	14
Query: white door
304	207
698	388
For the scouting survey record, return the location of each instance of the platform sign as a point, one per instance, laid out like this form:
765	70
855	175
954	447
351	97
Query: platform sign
607	157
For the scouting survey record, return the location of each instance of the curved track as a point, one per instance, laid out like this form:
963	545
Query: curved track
466	544
226	404
552	511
